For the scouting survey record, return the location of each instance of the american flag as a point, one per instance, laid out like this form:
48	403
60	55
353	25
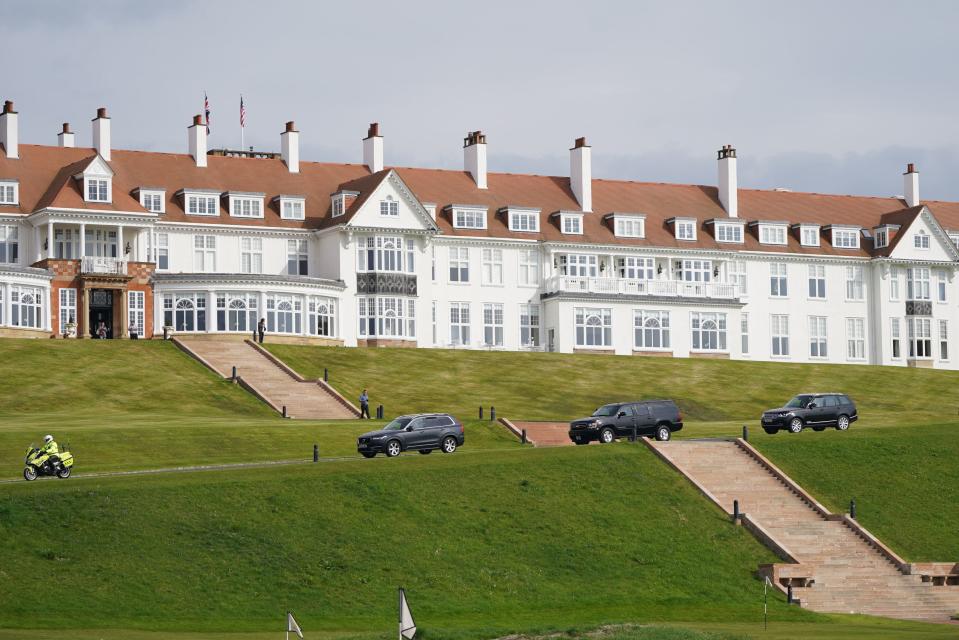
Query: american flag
242	113
206	112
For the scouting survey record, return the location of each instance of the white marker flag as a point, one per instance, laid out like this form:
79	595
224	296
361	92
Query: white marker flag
291	625
407	625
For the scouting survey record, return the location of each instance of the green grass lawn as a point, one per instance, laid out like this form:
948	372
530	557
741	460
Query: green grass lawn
553	386
905	481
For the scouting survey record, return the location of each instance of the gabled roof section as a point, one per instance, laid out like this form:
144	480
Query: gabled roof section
905	218
96	167
368	185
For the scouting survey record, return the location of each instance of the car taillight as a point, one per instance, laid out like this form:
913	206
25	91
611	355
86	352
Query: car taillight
680	416
462	429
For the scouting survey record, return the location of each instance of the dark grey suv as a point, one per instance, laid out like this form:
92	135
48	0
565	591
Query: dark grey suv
421	432
658	418
816	410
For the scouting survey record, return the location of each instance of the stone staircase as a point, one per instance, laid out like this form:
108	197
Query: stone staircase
268	378
834	565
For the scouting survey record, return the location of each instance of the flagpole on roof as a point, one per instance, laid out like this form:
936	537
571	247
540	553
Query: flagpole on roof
242	122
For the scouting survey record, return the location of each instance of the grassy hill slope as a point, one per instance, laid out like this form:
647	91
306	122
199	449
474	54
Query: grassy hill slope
553	386
527	539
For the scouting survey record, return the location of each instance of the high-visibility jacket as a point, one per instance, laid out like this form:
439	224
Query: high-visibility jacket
50	448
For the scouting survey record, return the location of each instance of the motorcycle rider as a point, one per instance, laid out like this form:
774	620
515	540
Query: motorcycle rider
49	449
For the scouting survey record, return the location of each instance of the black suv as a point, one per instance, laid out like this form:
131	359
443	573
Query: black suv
422	432
657	418
816	410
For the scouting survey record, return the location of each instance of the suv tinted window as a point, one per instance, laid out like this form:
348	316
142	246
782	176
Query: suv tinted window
830	401
844	400
641	410
418	423
626	409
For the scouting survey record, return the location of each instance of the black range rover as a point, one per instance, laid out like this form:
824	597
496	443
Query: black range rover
816	410
658	418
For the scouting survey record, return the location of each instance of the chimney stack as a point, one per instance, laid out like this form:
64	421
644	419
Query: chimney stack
581	173
911	186
290	146
474	157
728	188
66	138
196	133
9	136
373	148
101	133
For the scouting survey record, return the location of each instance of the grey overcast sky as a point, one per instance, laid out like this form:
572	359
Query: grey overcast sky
834	97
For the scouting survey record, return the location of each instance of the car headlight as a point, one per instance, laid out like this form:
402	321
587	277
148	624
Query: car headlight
783	414
595	424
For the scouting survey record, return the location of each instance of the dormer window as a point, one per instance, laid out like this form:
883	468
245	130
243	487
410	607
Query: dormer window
292	207
921	240
523	220
809	235
469	217
684	228
571	223
338	205
246	205
955	239
97	189
772	234
629	226
341	201
389	207
882	238
845	238
198	202
152	199
9	192
729	232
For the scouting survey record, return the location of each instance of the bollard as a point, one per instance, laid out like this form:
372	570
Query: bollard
326	374
735	511
789	594
852	508
632	438
284	412
481	412
522	438
234	374
492	414
316	453
745	433
379	412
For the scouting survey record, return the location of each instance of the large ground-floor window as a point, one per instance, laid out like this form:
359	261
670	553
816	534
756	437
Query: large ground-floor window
459	323
185	310
68	308
529	325
856	338
594	327
920	337
26	307
136	312
493	324
651	329
236	312
386	317
709	331
321	316
284	314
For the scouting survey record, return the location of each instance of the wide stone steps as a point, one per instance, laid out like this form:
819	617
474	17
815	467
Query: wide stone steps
306	400
849	573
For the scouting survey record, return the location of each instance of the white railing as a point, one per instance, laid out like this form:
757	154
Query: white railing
96	264
621	286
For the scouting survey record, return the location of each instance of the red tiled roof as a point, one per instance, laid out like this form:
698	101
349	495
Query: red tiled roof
45	176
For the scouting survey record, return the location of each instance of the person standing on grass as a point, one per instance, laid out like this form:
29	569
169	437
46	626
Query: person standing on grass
261	329
364	405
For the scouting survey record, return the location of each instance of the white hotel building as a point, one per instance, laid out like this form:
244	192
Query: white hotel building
366	255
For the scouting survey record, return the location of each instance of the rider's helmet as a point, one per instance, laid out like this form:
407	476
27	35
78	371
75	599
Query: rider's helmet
47	439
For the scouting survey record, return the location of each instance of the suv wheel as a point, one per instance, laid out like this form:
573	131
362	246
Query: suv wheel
606	435
449	444
842	423
795	425
393	448
663	433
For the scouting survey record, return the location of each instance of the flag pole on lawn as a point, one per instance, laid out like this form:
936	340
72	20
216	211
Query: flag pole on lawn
292	625
407	625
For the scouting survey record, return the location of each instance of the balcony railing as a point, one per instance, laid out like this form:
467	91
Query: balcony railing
95	264
621	286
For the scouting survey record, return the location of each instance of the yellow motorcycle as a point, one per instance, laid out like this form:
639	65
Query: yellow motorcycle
37	463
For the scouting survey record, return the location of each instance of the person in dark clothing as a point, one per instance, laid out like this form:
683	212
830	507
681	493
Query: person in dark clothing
364	405
261	329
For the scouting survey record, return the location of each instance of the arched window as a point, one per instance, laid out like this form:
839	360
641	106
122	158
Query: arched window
321	317
283	314
26	307
594	327
185	315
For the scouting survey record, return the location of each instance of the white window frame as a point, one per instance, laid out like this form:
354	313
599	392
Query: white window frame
594	327
251	254
186	307
9	244
297	257
943	340
920	338
204	253
459	265
524	220
26	307
855	283
942	286
153	200
918	281
381	254
284	314
651	330
845	238
97	188
321	316
895	291
695	270
818	337
292	208
744	332
136	312
881	238
246	206
579	265
68	308
729	232
896	339
389	207
571	223
711	338
529	326
629	226
817	282
161	252
774	234
9	192
492	324
856	339
237	312
201	204
469	218
685	229
460	323
636	268
66	244
921	240
529	269
778	280
492	263
779	331
809	235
